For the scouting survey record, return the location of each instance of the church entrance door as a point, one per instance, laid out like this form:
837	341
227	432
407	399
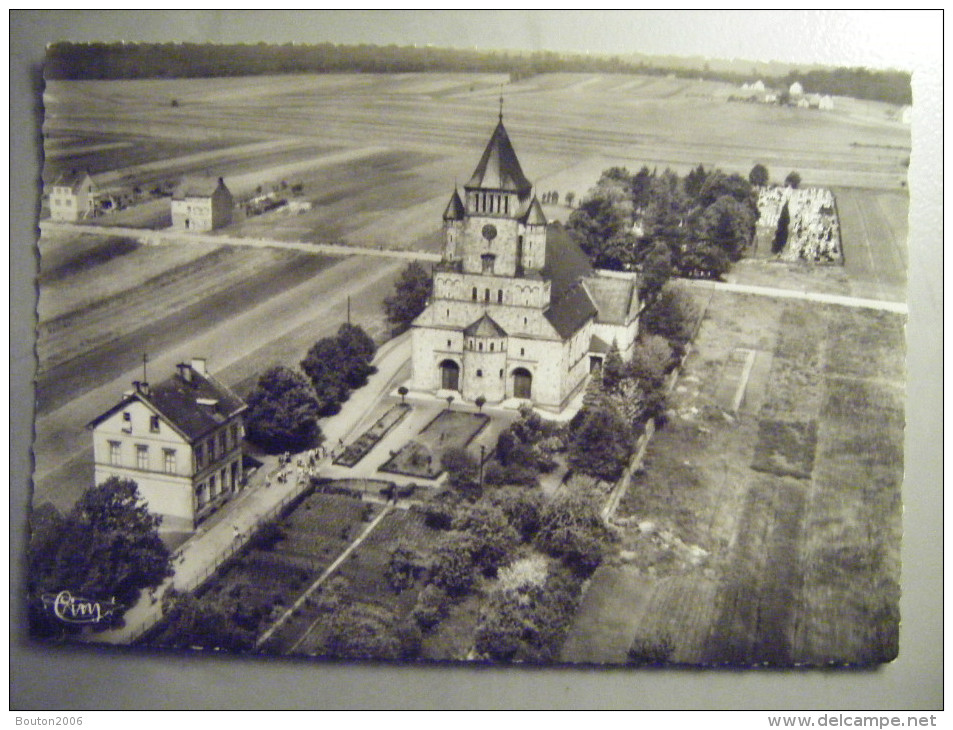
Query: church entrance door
449	375
522	383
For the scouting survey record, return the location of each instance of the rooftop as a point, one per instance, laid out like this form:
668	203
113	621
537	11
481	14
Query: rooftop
499	168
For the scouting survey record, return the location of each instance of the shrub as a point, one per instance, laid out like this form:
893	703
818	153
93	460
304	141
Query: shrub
522	508
452	566
431	608
405	566
570	528
647	651
463	470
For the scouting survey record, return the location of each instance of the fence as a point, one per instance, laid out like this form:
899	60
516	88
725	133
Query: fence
213	565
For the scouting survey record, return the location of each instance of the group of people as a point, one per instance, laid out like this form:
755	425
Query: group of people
306	465
813	229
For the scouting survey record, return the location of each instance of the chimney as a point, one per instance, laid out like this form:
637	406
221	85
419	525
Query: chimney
141	387
198	365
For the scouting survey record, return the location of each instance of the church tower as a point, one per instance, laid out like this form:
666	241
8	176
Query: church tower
508	318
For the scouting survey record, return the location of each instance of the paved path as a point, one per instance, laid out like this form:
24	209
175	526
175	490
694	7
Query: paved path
148	236
898	307
217	539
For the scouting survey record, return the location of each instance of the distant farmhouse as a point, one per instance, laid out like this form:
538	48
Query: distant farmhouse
180	441
72	196
201	204
516	311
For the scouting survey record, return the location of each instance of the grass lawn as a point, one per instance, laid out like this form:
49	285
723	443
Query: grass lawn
421	456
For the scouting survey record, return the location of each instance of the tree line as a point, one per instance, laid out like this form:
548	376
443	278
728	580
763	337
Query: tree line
70	60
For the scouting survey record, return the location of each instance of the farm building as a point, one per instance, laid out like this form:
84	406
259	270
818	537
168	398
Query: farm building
72	196
516	311
180	441
201	204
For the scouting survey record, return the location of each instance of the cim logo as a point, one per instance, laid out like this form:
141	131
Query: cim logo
77	610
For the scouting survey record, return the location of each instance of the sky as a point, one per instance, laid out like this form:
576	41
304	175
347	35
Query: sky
876	39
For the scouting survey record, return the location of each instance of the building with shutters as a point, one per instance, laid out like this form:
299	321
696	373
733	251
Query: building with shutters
516	311
180	441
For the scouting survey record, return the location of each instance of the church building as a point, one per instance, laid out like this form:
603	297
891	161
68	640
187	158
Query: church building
516	310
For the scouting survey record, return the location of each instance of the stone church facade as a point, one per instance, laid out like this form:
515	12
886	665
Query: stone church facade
516	311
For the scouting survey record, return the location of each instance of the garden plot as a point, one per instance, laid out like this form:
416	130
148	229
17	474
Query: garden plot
361	447
771	535
421	456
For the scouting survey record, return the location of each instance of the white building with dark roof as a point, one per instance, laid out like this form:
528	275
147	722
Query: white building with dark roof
201	204
516	310
72	196
180	441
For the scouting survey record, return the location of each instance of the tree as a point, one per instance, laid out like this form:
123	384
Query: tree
673	317
338	364
728	224
601	444
106	549
793	180
570	197
571	528
601	226
781	234
463	471
283	412
402	392
492	537
613	368
759	175
657	269
452	567
480	401
411	291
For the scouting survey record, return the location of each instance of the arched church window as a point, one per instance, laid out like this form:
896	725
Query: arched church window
481	347
499	296
486	296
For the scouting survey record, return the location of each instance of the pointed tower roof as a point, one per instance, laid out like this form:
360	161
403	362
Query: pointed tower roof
534	215
499	169
455	210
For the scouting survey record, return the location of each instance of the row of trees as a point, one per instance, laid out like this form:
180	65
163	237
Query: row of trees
665	224
69	60
285	405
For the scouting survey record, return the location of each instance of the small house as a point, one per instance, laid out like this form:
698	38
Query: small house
72	196
201	204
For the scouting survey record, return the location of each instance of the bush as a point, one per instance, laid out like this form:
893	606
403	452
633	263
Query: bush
452	566
490	537
404	568
529	623
463	470
570	528
431	608
522	508
646	652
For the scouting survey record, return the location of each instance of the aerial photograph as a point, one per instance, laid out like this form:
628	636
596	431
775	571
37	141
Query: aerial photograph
415	354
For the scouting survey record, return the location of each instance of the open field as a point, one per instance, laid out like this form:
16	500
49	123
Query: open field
769	534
